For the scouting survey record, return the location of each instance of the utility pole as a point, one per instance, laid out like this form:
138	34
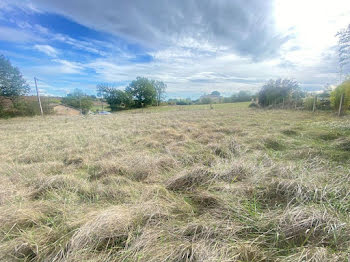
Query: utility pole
81	110
37	94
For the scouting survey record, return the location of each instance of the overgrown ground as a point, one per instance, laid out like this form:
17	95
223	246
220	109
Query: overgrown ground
176	184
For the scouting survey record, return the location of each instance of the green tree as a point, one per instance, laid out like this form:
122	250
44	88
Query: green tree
160	89
117	99
215	93
103	89
79	100
180	101
143	91
343	89
241	96
12	84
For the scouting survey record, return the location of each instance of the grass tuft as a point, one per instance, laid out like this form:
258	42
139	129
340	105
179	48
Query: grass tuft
273	144
190	180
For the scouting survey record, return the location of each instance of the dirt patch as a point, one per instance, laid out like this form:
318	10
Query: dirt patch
65	111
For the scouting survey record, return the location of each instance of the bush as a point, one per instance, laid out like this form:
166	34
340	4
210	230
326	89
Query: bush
343	89
325	104
22	106
276	91
309	103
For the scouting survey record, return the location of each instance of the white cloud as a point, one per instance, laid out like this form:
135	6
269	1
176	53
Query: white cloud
56	67
46	49
9	34
69	67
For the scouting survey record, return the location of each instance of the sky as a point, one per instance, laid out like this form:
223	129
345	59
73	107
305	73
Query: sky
194	46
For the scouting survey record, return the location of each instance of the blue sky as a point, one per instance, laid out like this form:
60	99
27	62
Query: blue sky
195	46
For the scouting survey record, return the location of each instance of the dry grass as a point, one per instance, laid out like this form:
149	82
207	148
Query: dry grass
176	184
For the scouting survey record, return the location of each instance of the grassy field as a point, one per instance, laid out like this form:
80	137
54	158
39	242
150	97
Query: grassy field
176	184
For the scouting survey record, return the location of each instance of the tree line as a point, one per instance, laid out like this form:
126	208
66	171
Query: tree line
279	93
214	98
141	92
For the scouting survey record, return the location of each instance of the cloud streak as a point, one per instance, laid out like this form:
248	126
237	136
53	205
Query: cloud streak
46	49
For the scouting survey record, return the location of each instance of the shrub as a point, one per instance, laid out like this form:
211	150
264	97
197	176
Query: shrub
309	103
343	89
22	106
275	91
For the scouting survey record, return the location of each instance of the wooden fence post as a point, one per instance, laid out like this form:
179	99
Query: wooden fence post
341	105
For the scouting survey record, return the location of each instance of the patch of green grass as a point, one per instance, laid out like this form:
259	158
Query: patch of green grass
289	132
274	144
328	136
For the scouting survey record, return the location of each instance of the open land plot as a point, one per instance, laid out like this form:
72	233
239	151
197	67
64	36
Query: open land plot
180	183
